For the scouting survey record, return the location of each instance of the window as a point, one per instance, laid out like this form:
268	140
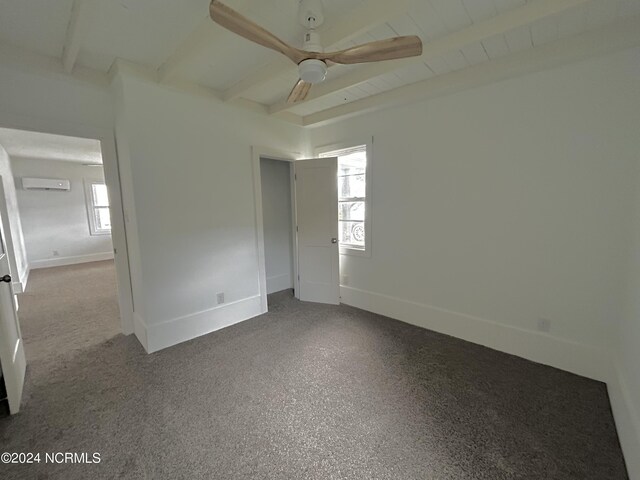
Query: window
98	208
353	207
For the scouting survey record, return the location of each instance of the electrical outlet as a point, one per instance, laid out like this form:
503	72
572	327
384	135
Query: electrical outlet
55	253
220	297
544	325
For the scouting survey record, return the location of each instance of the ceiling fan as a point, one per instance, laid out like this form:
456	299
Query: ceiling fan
312	61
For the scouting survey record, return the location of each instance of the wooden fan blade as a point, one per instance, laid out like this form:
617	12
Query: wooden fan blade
389	49
299	92
240	25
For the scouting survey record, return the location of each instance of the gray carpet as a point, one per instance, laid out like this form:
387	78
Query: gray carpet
312	392
71	307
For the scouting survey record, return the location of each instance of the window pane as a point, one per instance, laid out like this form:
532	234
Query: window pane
356	157
351	211
345	169
100	196
103	219
352	186
352	170
352	233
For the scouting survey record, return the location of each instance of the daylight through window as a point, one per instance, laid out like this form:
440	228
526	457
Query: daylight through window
99	217
352	196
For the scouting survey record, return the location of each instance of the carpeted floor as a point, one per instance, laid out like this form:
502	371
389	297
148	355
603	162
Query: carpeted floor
72	307
310	392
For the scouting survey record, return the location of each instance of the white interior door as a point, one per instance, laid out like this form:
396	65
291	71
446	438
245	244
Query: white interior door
12	356
316	191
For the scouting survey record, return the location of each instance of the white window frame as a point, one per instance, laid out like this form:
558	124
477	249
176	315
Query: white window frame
88	195
368	142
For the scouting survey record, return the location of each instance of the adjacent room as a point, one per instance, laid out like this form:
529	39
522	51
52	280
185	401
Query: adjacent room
320	239
59	232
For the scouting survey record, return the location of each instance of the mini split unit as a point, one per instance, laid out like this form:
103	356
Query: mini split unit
46	184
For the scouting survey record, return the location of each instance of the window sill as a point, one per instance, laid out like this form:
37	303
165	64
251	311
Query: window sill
356	252
97	234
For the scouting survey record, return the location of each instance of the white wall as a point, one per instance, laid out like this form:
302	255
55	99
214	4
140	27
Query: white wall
189	162
38	95
10	213
57	220
624	389
277	221
36	90
501	205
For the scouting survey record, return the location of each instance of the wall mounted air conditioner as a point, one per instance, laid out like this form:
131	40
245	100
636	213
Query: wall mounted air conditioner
45	184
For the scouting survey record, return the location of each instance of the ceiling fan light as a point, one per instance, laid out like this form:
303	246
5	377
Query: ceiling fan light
312	70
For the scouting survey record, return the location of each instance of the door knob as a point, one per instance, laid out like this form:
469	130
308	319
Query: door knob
6	278
334	240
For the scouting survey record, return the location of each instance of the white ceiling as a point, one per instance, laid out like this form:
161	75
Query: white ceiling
178	36
38	25
20	143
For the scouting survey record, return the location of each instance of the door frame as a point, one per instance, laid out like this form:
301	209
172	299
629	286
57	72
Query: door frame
273	154
111	168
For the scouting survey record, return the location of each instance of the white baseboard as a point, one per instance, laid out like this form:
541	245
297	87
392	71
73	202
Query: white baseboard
542	348
278	283
61	261
178	330
140	330
627	420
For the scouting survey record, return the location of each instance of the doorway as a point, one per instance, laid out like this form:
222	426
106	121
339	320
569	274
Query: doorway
313	209
57	200
278	222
